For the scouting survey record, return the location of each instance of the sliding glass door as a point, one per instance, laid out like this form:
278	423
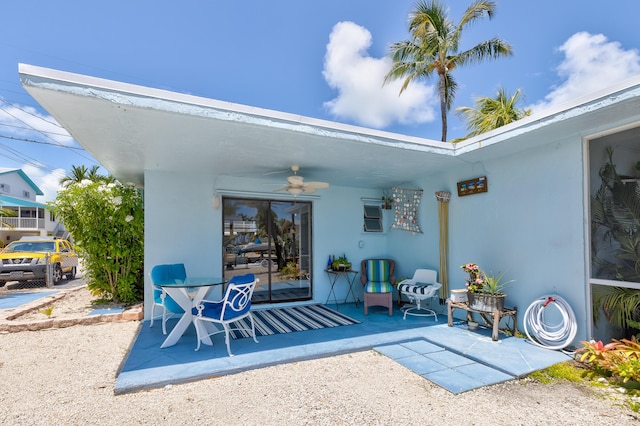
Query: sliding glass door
272	240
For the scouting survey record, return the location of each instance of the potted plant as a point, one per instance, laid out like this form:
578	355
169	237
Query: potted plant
484	292
387	202
341	264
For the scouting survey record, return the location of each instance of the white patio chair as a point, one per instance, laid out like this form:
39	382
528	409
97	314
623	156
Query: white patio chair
234	306
421	287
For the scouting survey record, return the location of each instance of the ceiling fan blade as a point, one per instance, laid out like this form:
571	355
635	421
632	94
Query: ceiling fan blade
316	185
275	172
284	188
295	180
308	189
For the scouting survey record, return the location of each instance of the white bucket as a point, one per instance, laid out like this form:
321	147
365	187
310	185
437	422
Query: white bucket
459	295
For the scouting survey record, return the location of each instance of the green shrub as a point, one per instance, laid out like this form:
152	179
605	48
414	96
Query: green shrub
106	221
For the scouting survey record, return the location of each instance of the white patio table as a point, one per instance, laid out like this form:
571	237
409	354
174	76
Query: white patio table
180	292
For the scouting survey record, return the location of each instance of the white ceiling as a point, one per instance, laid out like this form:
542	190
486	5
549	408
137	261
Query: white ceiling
130	129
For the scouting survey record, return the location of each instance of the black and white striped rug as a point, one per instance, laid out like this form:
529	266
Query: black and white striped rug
288	320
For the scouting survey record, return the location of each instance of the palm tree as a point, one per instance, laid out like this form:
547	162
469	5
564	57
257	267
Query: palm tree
80	173
491	113
434	48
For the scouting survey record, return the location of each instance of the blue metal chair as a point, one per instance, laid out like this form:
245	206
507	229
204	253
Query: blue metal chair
234	306
160	274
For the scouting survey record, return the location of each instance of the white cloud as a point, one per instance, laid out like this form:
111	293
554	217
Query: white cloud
48	182
591	63
358	79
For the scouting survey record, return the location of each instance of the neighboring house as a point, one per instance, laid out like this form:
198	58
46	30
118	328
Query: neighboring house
18	194
224	161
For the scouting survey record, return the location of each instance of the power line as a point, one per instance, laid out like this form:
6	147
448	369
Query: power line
20	157
30	128
26	112
54	123
55	143
58	145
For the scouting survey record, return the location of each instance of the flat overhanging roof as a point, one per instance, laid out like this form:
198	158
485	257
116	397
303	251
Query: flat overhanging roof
131	129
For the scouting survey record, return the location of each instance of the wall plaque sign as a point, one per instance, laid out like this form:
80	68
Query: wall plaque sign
472	186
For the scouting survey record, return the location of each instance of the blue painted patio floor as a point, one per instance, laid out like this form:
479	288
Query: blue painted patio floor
452	357
13	300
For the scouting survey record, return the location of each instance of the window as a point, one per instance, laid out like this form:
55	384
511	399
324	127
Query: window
26	194
4	187
372	218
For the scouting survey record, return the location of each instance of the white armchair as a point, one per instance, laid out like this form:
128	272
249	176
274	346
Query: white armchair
418	289
234	306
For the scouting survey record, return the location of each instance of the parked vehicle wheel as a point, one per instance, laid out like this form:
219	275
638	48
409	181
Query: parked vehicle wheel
71	275
57	273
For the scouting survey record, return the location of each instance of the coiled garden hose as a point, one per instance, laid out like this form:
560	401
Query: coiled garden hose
550	336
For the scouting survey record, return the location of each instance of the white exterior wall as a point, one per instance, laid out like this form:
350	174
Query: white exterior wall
17	186
530	225
180	225
193	235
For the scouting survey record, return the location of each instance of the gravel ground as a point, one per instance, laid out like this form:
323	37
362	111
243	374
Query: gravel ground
67	376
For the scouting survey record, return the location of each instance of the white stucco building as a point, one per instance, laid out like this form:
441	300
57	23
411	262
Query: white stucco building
533	222
18	194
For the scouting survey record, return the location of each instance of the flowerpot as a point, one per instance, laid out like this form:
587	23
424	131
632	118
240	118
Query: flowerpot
459	295
486	302
341	266
472	325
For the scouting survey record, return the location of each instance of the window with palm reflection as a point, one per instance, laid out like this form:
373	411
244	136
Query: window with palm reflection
272	240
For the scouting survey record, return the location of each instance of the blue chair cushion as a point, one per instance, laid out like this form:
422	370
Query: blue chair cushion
214	309
169	303
211	309
378	270
242	279
164	274
378	287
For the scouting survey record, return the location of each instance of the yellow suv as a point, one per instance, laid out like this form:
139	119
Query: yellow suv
26	259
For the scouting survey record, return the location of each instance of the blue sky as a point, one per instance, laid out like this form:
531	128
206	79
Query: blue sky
323	59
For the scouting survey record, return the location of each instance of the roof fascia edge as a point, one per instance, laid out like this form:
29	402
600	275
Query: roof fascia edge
164	100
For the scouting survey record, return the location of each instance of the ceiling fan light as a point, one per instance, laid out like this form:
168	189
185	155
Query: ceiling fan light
294	191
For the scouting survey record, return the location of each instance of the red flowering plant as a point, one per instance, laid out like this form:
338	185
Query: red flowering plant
481	282
475	283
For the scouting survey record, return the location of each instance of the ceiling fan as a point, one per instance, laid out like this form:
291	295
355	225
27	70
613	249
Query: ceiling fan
297	185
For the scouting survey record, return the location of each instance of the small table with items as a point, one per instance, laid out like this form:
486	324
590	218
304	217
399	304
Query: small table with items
491	319
349	276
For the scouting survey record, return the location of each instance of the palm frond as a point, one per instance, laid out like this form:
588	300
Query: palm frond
618	304
433	48
491	113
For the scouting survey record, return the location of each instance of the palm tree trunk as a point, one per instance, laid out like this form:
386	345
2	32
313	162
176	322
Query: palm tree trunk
442	92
